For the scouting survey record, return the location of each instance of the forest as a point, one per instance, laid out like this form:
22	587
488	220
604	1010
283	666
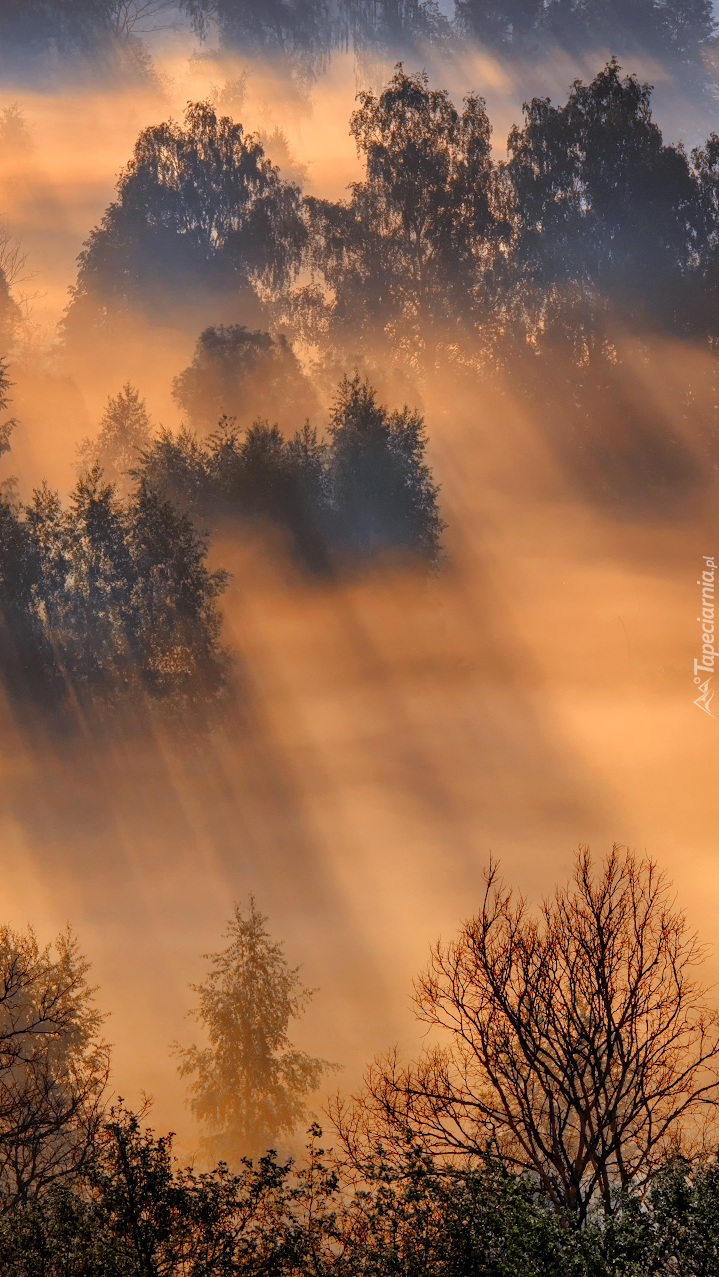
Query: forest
329	606
442	256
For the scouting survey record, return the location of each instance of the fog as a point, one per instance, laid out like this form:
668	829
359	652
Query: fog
394	732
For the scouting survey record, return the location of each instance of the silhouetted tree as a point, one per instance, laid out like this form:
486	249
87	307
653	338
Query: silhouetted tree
53	1064
125	431
393	25
405	256
601	206
200	212
382	490
502	22
71	25
367	491
105	597
304	32
674	29
278	26
6	427
256	476
580	1040
244	375
249	1084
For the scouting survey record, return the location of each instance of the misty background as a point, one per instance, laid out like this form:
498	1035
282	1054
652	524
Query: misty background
534	694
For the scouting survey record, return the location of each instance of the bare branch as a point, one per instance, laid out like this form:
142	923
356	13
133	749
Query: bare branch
581	1041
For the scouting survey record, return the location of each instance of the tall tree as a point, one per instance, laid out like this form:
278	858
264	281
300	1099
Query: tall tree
53	1064
200	210
580	1039
105	597
601	205
382	491
242	374
249	1085
405	256
279	26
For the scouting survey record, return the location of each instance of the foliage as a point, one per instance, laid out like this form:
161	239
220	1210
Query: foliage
136	1213
125	430
53	1064
382	489
105	597
244	375
405	255
250	1084
600	201
199	209
676	30
304	32
74	24
367	491
390	1202
6	427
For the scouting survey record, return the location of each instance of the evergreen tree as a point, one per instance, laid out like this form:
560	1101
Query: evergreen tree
249	1085
125	431
382	490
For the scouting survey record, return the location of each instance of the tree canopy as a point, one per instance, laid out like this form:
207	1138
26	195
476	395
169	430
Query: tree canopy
200	210
364	493
242	374
103	597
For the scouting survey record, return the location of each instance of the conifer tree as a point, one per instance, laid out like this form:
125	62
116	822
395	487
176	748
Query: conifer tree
249	1085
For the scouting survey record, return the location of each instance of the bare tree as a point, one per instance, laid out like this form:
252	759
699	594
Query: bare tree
129	18
581	1040
53	1064
13	259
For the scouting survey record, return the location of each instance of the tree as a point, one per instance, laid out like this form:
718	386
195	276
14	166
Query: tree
364	492
130	18
303	32
502	22
601	206
53	1064
250	1084
393	24
258	476
242	374
125	431
76	24
107	597
677	29
279	26
580	1040
200	211
6	427
382	491
405	255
